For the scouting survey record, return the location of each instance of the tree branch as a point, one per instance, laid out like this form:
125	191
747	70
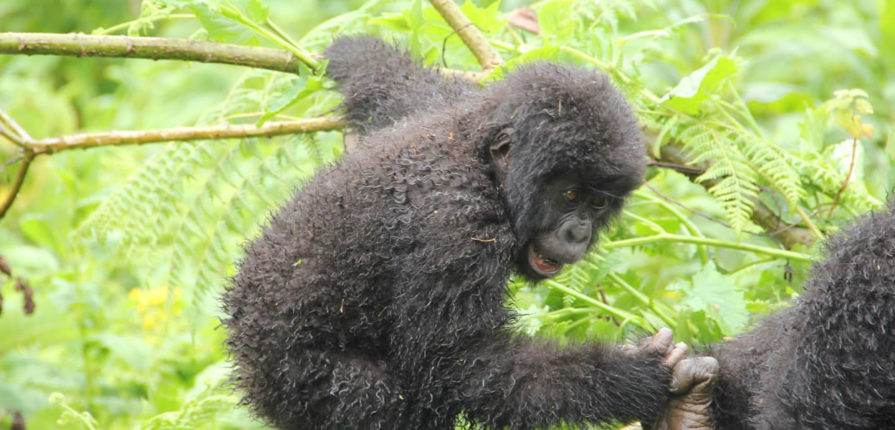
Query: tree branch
156	48
117	138
31	148
17	185
469	33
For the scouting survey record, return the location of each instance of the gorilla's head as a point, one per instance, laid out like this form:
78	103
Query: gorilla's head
567	150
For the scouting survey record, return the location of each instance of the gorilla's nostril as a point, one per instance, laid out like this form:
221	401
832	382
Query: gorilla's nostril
577	233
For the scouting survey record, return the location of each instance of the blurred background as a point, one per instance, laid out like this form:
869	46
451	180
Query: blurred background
115	256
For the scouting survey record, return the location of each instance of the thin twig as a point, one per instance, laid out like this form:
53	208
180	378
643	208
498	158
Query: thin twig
156	48
689	170
851	168
14	126
27	158
469	33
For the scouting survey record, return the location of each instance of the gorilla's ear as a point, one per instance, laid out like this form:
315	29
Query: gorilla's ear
500	149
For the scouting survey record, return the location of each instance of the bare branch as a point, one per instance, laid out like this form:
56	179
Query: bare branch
14	127
471	36
156	48
117	138
17	185
33	148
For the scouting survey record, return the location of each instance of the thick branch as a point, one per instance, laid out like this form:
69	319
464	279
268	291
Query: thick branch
117	138
156	48
469	33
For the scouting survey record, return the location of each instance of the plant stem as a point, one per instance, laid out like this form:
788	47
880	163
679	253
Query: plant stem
596	303
667	237
642	298
123	25
851	168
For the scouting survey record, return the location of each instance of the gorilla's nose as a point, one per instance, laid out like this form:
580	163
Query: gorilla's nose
577	232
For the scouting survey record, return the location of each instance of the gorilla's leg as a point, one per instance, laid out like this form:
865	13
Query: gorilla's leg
341	392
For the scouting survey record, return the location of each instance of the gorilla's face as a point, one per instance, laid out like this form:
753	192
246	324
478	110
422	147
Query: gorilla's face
566	151
556	215
572	213
569	213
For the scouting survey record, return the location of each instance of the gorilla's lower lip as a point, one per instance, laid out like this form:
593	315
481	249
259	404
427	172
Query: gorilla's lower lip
542	265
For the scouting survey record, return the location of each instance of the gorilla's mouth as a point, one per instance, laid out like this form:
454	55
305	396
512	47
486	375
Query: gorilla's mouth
542	265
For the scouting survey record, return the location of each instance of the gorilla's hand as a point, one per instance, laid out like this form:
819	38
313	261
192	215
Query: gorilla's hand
691	386
661	344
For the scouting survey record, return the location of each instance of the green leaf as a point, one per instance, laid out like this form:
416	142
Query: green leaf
712	292
221	28
555	23
688	95
299	87
487	20
257	10
132	350
38	231
887	30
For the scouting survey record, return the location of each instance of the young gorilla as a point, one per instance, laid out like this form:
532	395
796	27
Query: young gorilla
374	299
826	362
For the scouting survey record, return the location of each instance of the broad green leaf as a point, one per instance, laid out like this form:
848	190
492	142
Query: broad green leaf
887	29
300	86
715	294
221	28
556	24
487	20
257	11
39	232
696	87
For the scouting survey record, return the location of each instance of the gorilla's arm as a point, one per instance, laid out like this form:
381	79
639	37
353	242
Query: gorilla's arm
826	361
452	328
532	384
381	85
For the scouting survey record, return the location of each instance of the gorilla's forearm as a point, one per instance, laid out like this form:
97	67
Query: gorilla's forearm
531	384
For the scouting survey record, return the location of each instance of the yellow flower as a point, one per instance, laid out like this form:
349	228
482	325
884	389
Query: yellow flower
151	303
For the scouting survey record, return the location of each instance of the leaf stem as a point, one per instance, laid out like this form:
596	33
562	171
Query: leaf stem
596	303
668	237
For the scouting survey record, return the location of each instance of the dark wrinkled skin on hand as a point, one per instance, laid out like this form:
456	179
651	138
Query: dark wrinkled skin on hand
693	380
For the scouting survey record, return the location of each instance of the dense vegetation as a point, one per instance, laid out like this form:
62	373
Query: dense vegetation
768	122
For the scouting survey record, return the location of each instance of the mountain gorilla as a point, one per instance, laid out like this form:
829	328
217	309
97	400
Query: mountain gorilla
374	299
826	362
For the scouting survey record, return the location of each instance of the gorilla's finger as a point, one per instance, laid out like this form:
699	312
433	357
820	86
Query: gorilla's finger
678	352
696	373
661	343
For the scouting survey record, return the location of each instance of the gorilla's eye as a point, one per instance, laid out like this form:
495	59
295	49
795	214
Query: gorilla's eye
570	195
599	202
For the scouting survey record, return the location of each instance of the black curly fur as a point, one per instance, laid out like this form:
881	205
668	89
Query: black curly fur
827	362
374	299
381	86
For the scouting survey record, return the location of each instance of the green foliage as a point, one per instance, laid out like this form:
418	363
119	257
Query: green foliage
780	104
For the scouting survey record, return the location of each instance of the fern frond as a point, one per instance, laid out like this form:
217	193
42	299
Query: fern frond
736	187
771	162
825	174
